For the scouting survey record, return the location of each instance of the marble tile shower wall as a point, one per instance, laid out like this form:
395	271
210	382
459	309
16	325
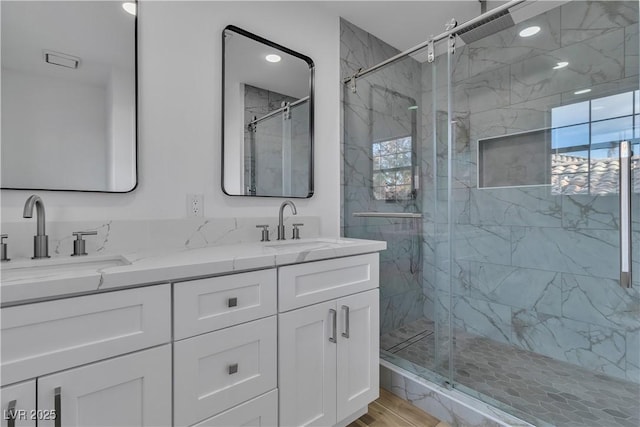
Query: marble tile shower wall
536	270
378	111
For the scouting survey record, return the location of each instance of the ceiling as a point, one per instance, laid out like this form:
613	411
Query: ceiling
404	24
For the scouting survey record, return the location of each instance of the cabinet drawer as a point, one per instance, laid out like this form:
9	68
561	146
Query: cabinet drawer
50	336
218	370
259	412
310	283
207	305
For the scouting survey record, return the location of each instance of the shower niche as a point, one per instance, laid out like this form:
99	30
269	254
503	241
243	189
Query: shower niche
516	160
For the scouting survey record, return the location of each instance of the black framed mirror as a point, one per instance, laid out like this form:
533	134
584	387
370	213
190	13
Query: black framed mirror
267	118
69	95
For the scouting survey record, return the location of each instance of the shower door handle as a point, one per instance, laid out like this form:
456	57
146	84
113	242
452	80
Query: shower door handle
625	214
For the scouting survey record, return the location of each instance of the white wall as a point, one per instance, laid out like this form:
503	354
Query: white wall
180	99
57	112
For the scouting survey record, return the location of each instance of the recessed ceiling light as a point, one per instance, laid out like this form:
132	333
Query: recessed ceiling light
529	31
129	7
561	65
580	92
273	58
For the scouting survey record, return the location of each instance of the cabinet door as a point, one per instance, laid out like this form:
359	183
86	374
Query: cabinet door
358	352
131	390
307	366
22	398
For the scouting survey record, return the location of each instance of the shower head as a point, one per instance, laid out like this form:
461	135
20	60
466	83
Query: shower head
486	27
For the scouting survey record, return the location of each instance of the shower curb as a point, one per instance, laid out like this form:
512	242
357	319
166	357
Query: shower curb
452	406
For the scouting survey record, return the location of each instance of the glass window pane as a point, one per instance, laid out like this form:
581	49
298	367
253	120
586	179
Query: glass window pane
570	136
388	147
612	106
376	163
376	148
612	130
386	162
570	114
637	127
403	160
404	144
636	97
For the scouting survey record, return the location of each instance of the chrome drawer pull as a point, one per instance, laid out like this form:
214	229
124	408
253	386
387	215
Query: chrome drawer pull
346	321
11	414
57	405
232	302
334	326
233	369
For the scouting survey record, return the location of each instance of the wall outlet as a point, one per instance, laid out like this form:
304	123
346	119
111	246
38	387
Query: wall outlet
195	205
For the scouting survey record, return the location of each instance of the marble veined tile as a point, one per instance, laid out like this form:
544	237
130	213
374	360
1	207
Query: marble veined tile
519	287
483	92
482	243
600	301
593	61
631	54
592	212
519	206
633	356
585	252
552	336
483	318
582	20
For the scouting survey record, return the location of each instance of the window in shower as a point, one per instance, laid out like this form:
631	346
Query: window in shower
584	140
392	169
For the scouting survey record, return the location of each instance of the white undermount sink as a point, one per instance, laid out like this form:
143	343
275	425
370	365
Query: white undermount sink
307	243
47	267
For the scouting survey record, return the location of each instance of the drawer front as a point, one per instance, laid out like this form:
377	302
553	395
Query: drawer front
310	283
218	302
218	370
23	397
50	336
259	412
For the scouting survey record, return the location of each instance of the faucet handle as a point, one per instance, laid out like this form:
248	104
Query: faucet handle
3	247
296	231
79	243
265	232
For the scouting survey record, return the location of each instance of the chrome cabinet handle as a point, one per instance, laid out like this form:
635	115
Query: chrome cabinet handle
334	327
625	214
57	406
346	321
11	413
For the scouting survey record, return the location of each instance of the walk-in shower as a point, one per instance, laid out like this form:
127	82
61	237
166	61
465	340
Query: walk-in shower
502	170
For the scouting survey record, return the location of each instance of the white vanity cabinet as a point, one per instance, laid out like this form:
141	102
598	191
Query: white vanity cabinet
130	390
328	351
19	400
287	345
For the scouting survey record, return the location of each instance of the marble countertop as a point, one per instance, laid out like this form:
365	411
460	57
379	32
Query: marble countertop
28	281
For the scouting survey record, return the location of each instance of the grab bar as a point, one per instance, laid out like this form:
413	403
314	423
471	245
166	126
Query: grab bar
388	214
625	214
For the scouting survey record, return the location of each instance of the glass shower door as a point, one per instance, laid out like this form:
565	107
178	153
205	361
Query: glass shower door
542	322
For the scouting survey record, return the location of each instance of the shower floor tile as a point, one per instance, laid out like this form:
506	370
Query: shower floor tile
557	392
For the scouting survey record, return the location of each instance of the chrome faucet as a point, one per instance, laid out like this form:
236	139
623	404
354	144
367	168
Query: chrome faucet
280	217
40	240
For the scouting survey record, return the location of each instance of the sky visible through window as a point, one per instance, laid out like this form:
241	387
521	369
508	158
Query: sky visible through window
585	138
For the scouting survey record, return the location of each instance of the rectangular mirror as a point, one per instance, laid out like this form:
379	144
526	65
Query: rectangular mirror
69	95
267	116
